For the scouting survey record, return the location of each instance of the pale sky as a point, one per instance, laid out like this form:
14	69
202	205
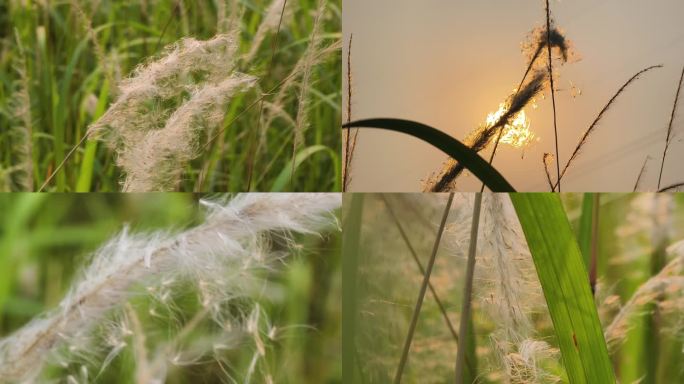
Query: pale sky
448	63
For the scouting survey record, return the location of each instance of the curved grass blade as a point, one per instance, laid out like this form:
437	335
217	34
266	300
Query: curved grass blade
283	179
563	278
452	147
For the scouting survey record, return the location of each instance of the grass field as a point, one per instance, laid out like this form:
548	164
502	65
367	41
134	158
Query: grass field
610	264
64	64
47	240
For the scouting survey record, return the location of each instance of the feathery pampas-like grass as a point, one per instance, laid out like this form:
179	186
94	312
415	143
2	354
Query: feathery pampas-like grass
220	257
147	133
665	289
21	111
508	290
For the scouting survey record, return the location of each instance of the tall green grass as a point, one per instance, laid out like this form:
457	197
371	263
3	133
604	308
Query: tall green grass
67	57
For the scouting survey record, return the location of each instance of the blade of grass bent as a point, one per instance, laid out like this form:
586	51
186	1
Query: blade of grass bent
563	278
452	147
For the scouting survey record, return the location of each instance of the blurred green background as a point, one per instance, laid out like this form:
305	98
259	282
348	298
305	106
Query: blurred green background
46	238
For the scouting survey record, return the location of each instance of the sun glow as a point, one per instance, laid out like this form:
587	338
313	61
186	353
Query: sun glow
517	133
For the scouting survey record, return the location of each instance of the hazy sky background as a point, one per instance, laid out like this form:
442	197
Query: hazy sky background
448	63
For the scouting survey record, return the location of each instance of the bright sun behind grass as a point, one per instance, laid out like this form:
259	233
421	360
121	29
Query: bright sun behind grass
516	134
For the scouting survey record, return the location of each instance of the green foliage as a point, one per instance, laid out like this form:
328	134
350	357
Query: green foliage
70	86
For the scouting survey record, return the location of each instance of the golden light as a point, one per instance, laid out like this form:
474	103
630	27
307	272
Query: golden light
517	133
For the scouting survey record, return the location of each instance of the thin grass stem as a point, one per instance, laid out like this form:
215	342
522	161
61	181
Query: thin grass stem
412	251
553	91
468	290
669	128
598	118
421	294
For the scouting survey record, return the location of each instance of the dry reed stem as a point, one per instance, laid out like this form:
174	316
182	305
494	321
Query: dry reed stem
414	255
641	173
350	139
421	293
547	160
669	128
219	256
593	125
553	91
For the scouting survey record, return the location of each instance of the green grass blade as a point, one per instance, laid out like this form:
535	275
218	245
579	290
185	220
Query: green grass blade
283	179
447	144
563	278
584	228
350	255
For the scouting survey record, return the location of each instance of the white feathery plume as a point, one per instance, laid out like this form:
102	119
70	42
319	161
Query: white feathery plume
155	163
302	121
163	78
508	289
219	256
666	290
154	140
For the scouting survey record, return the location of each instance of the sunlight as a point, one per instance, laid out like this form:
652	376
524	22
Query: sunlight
516	134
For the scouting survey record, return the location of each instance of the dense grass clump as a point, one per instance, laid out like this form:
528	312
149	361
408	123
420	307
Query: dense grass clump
170	95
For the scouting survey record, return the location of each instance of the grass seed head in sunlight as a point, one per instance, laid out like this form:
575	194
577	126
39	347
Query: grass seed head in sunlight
517	133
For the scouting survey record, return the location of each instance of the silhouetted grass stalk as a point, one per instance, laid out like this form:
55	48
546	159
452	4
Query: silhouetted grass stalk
669	128
350	138
553	91
593	125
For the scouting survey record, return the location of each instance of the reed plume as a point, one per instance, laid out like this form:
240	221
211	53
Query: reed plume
153	140
220	257
23	132
664	289
537	40
302	120
507	290
482	136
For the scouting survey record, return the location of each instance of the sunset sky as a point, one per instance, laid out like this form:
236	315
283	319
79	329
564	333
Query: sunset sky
450	63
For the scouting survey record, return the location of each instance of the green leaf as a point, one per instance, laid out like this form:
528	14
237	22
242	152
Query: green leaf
447	144
563	278
585	225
